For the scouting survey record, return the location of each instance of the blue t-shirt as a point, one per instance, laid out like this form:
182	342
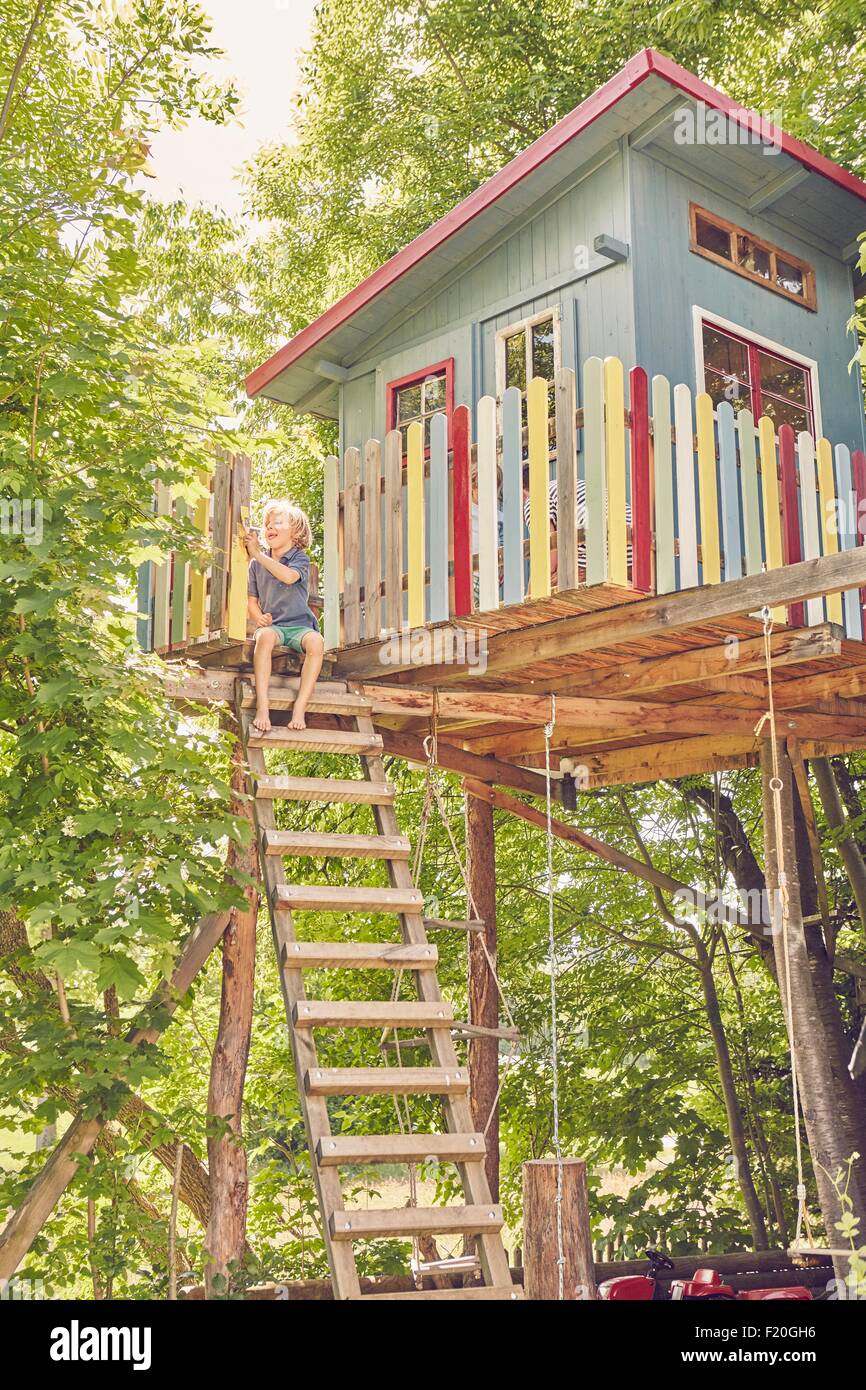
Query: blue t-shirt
287	603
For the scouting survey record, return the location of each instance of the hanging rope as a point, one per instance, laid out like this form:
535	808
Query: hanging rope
776	786
433	796
554	1031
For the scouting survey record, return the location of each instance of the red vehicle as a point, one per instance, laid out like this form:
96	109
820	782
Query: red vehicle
706	1284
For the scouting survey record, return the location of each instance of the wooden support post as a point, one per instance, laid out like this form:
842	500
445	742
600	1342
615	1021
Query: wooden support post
483	993
540	1244
227	1160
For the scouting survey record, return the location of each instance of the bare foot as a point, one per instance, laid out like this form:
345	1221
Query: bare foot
297	720
262	720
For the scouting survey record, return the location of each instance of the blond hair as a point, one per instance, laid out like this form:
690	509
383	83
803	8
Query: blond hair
299	524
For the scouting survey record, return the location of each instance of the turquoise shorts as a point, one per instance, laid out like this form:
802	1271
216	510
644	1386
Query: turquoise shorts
291	637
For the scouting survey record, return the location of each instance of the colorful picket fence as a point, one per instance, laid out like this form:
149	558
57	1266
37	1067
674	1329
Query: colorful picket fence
180	605
657	490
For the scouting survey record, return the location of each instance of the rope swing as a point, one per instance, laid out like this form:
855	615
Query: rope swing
433	796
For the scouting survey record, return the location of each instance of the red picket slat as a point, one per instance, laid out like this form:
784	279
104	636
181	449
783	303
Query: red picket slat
641	505
792	549
462	498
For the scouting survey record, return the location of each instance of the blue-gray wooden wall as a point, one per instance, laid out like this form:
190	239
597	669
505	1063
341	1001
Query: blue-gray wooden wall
640	311
669	280
546	259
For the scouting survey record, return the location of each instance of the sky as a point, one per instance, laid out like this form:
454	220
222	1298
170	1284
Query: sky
263	42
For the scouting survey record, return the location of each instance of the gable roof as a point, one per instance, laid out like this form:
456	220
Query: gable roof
632	98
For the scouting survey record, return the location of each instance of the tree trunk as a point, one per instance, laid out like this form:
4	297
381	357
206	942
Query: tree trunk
736	1129
829	1142
540	1233
849	850
483	994
848	1095
227	1160
139	1118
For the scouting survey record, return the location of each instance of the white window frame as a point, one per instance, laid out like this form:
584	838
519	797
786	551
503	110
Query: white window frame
701	316
553	311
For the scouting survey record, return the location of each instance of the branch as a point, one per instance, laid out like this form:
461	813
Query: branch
19	63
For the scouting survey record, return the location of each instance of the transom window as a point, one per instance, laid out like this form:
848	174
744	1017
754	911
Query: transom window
738	250
420	397
528	348
756	378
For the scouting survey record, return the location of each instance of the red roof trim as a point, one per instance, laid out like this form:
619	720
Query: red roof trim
635	71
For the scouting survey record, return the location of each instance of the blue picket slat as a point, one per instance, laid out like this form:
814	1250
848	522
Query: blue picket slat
729	495
846	500
513	581
437	511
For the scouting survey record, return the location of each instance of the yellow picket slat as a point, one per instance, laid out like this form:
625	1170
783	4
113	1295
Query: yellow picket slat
707	490
198	578
614	440
829	518
772	504
415	520
539	489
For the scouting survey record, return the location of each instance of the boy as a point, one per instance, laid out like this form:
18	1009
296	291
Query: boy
277	603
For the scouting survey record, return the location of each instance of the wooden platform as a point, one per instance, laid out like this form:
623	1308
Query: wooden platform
645	687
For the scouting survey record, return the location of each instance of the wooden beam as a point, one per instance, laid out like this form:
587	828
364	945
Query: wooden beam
615	857
468	764
582	718
724	660
679	720
649	617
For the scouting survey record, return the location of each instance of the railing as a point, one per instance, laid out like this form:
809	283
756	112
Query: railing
654	493
181	605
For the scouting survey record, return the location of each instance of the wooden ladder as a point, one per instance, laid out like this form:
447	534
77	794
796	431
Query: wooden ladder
414	953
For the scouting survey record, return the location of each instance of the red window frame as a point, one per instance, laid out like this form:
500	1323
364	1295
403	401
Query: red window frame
445	367
754	384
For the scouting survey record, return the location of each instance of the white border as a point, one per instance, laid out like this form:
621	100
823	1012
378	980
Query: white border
700	316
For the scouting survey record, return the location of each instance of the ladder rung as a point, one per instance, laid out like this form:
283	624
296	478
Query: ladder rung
323	789
314	897
358	955
321	701
318	741
415	1221
442	924
330	846
386	1081
479	1293
313	1013
400	1148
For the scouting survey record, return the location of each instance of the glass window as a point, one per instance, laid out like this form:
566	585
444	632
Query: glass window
754	257
752	378
790	277
713	238
515	360
531	349
748	255
420	399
